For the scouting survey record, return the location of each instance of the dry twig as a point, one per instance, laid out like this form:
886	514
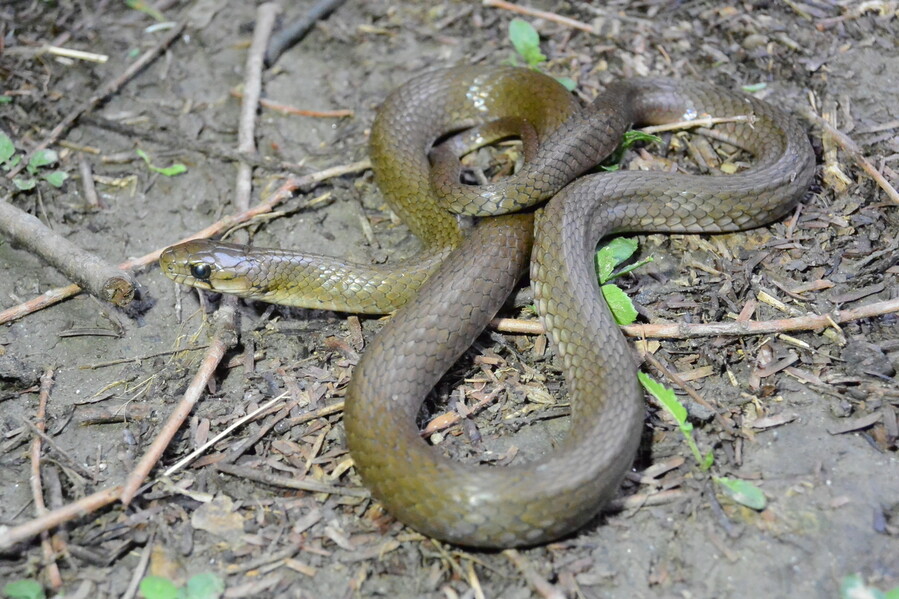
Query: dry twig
37	492
855	152
89	271
714	329
54	296
226	332
540	14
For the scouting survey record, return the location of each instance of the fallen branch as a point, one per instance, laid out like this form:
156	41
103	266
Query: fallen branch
88	270
54	296
37	492
10	535
854	152
540	14
714	329
226	330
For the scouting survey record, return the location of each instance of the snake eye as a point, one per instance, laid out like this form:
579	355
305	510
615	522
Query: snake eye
200	271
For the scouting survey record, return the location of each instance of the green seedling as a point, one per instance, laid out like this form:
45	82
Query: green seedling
145	8
37	167
168	171
741	491
526	42
854	587
201	586
609	257
24	589
673	406
631	137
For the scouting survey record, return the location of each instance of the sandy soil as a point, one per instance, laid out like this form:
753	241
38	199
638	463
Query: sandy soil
833	505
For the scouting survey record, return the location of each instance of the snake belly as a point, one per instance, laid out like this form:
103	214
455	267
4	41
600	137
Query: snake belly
446	295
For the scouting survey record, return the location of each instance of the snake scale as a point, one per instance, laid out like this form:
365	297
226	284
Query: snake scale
445	295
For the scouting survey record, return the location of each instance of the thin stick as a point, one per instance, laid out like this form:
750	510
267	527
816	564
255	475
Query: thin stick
227	331
9	536
751	327
540	14
284	108
37	492
233	426
855	152
210	362
290	482
109	88
88	270
54	296
543	587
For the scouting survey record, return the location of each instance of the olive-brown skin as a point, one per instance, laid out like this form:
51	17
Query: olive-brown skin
539	501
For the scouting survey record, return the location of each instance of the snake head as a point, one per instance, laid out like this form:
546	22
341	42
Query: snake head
212	265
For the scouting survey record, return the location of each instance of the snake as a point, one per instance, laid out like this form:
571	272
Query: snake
476	241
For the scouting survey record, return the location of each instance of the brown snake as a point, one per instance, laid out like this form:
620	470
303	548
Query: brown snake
476	269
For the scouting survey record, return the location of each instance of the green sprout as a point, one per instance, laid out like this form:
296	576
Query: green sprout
37	166
526	42
854	587
673	406
741	491
609	257
201	586
631	137
168	171
24	589
145	8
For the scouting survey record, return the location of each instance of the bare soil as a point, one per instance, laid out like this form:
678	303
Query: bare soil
833	499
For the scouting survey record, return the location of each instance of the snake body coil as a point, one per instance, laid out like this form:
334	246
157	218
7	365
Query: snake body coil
450	291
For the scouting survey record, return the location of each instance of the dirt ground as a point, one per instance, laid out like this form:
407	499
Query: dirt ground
810	436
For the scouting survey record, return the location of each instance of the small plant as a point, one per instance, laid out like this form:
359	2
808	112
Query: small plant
168	171
854	587
631	137
526	42
24	589
608	258
201	586
741	491
673	406
37	166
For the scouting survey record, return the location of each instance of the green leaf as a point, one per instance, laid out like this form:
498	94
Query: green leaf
7	148
629	138
526	41
4	99
145	8
24	184
666	397
632	136
56	178
755	87
168	171
673	406
612	254
42	158
158	587
567	82
743	492
205	586
854	587
619	303
892	594
24	589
